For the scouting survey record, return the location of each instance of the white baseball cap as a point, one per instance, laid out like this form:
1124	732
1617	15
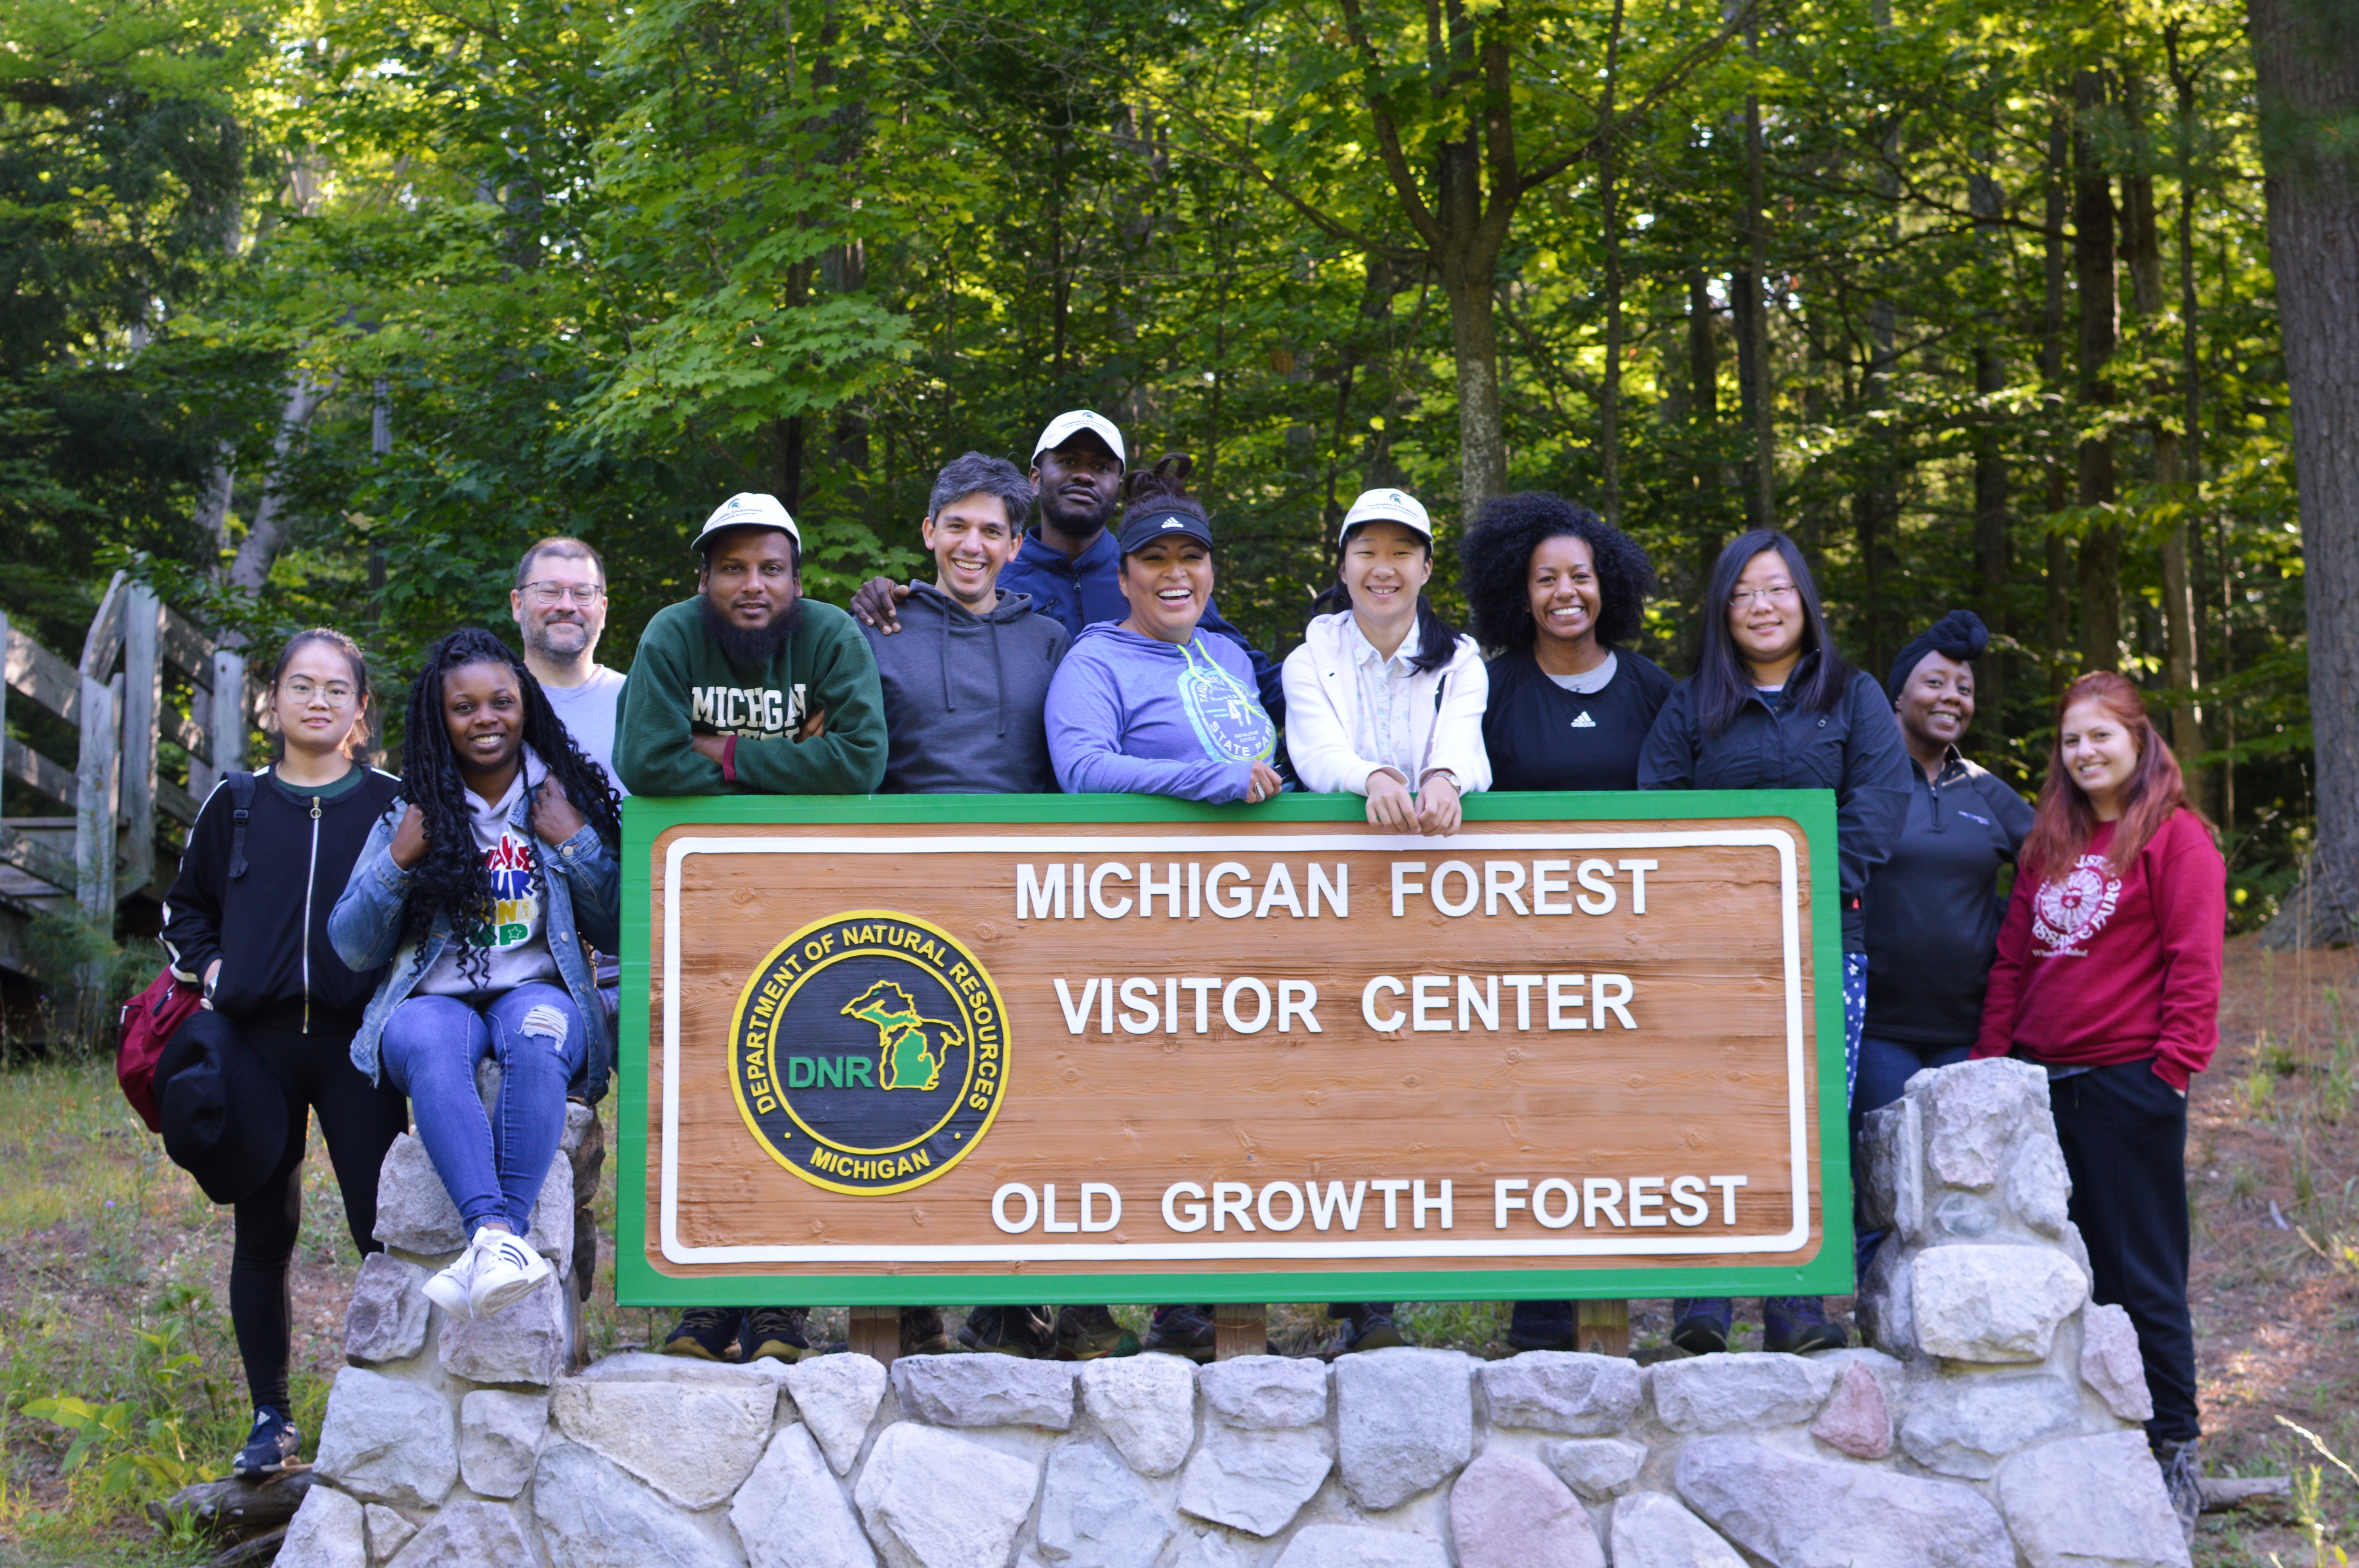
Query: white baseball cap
1392	505
1075	420
750	511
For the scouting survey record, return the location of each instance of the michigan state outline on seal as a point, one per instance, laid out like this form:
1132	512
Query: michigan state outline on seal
868	1052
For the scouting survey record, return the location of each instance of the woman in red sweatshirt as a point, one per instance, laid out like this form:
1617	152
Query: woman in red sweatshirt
2108	976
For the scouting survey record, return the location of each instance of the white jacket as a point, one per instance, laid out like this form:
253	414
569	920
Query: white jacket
1322	711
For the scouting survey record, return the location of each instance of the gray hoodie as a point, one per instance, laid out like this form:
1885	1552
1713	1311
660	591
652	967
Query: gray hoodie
965	695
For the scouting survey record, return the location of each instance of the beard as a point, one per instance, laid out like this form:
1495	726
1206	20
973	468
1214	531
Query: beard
1081	523
756	647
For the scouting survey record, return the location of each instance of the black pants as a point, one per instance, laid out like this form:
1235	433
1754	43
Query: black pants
361	1120
2125	1137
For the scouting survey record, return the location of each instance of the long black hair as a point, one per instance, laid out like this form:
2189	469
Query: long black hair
1435	640
1723	683
1496	566
452	878
327	637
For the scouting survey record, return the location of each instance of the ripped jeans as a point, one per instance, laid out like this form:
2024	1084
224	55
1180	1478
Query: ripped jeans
490	1165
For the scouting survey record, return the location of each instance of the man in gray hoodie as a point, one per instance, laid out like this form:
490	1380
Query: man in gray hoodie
966	680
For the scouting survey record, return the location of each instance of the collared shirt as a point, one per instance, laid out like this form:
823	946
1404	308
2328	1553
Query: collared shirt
1382	730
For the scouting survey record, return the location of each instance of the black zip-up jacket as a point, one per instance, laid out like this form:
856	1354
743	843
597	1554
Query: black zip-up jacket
1933	908
1853	749
269	927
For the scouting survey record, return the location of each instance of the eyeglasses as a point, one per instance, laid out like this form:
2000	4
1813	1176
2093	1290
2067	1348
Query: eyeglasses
1776	593
336	694
582	593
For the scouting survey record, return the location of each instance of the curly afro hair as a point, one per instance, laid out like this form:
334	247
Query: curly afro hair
1495	558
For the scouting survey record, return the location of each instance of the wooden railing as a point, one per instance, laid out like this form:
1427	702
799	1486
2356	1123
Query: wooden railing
120	841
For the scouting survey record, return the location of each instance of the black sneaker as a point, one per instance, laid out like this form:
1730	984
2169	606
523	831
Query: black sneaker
776	1333
271	1449
708	1333
1087	1333
2182	1479
921	1332
1700	1328
1367	1326
1543	1325
1181	1331
1019	1331
1798	1326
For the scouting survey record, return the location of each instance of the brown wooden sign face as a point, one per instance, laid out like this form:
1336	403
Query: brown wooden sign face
1227	1046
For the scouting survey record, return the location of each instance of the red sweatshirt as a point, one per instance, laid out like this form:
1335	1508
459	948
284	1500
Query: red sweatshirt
2096	970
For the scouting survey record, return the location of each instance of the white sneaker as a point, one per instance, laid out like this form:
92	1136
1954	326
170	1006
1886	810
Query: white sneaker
505	1269
452	1289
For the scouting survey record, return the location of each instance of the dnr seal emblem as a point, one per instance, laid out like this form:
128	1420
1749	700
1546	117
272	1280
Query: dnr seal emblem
868	1052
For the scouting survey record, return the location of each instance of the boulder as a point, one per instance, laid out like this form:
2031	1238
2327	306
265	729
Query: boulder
1404	1422
2039	1189
328	1531
1993	1304
1147	1405
1212	1550
692	1443
389	1533
837	1396
592	1515
2091	1502
386	1319
1892	1179
413	1211
986	1390
1596	1467
1507	1511
468	1533
1856	1421
648	1366
1799	1512
2111	1364
1265	1393
1963	1217
528	1343
1730	1392
791	1513
1360	1546
1254	1481
1887	1319
1964	1425
917	1521
499	1440
1652	1531
1977	1109
1563	1390
1095	1514
386	1440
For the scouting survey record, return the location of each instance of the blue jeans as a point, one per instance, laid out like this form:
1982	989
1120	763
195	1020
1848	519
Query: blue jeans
492	1166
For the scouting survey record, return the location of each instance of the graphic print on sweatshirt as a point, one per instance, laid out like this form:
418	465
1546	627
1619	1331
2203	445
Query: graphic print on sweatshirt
515	908
1230	725
2070	910
751	712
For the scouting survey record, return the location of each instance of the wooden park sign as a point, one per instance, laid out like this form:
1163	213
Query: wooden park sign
903	1049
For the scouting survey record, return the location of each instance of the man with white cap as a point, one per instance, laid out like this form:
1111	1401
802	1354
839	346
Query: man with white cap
1069	564
748	689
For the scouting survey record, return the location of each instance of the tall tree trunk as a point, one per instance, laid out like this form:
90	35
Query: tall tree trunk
1992	552
2051	377
1609	402
1703	412
2093	274
1751	314
266	535
2306	60
2210	789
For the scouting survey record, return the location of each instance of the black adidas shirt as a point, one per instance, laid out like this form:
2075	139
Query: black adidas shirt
1540	736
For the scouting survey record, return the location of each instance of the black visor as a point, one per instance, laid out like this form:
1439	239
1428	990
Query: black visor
1158	522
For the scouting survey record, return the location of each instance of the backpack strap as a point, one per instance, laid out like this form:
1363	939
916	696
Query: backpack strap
241	801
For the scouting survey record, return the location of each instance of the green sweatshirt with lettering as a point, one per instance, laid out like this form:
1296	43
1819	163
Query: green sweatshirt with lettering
682	685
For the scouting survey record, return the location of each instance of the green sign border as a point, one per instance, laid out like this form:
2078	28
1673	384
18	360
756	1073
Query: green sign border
638	1283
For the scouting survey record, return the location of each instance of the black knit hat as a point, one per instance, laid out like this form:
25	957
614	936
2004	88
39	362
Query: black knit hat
1959	635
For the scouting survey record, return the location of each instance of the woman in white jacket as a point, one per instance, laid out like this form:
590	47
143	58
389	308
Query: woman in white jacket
1383	700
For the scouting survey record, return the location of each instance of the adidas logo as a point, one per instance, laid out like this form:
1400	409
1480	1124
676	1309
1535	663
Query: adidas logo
1584	721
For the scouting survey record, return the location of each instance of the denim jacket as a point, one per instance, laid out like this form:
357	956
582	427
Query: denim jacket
584	881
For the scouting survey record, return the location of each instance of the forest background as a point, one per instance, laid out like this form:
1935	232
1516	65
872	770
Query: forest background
320	310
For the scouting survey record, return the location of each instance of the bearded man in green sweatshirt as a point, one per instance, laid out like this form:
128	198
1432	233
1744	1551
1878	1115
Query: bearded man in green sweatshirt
748	689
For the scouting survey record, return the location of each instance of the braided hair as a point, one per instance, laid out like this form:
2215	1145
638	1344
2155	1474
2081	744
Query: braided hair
451	880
